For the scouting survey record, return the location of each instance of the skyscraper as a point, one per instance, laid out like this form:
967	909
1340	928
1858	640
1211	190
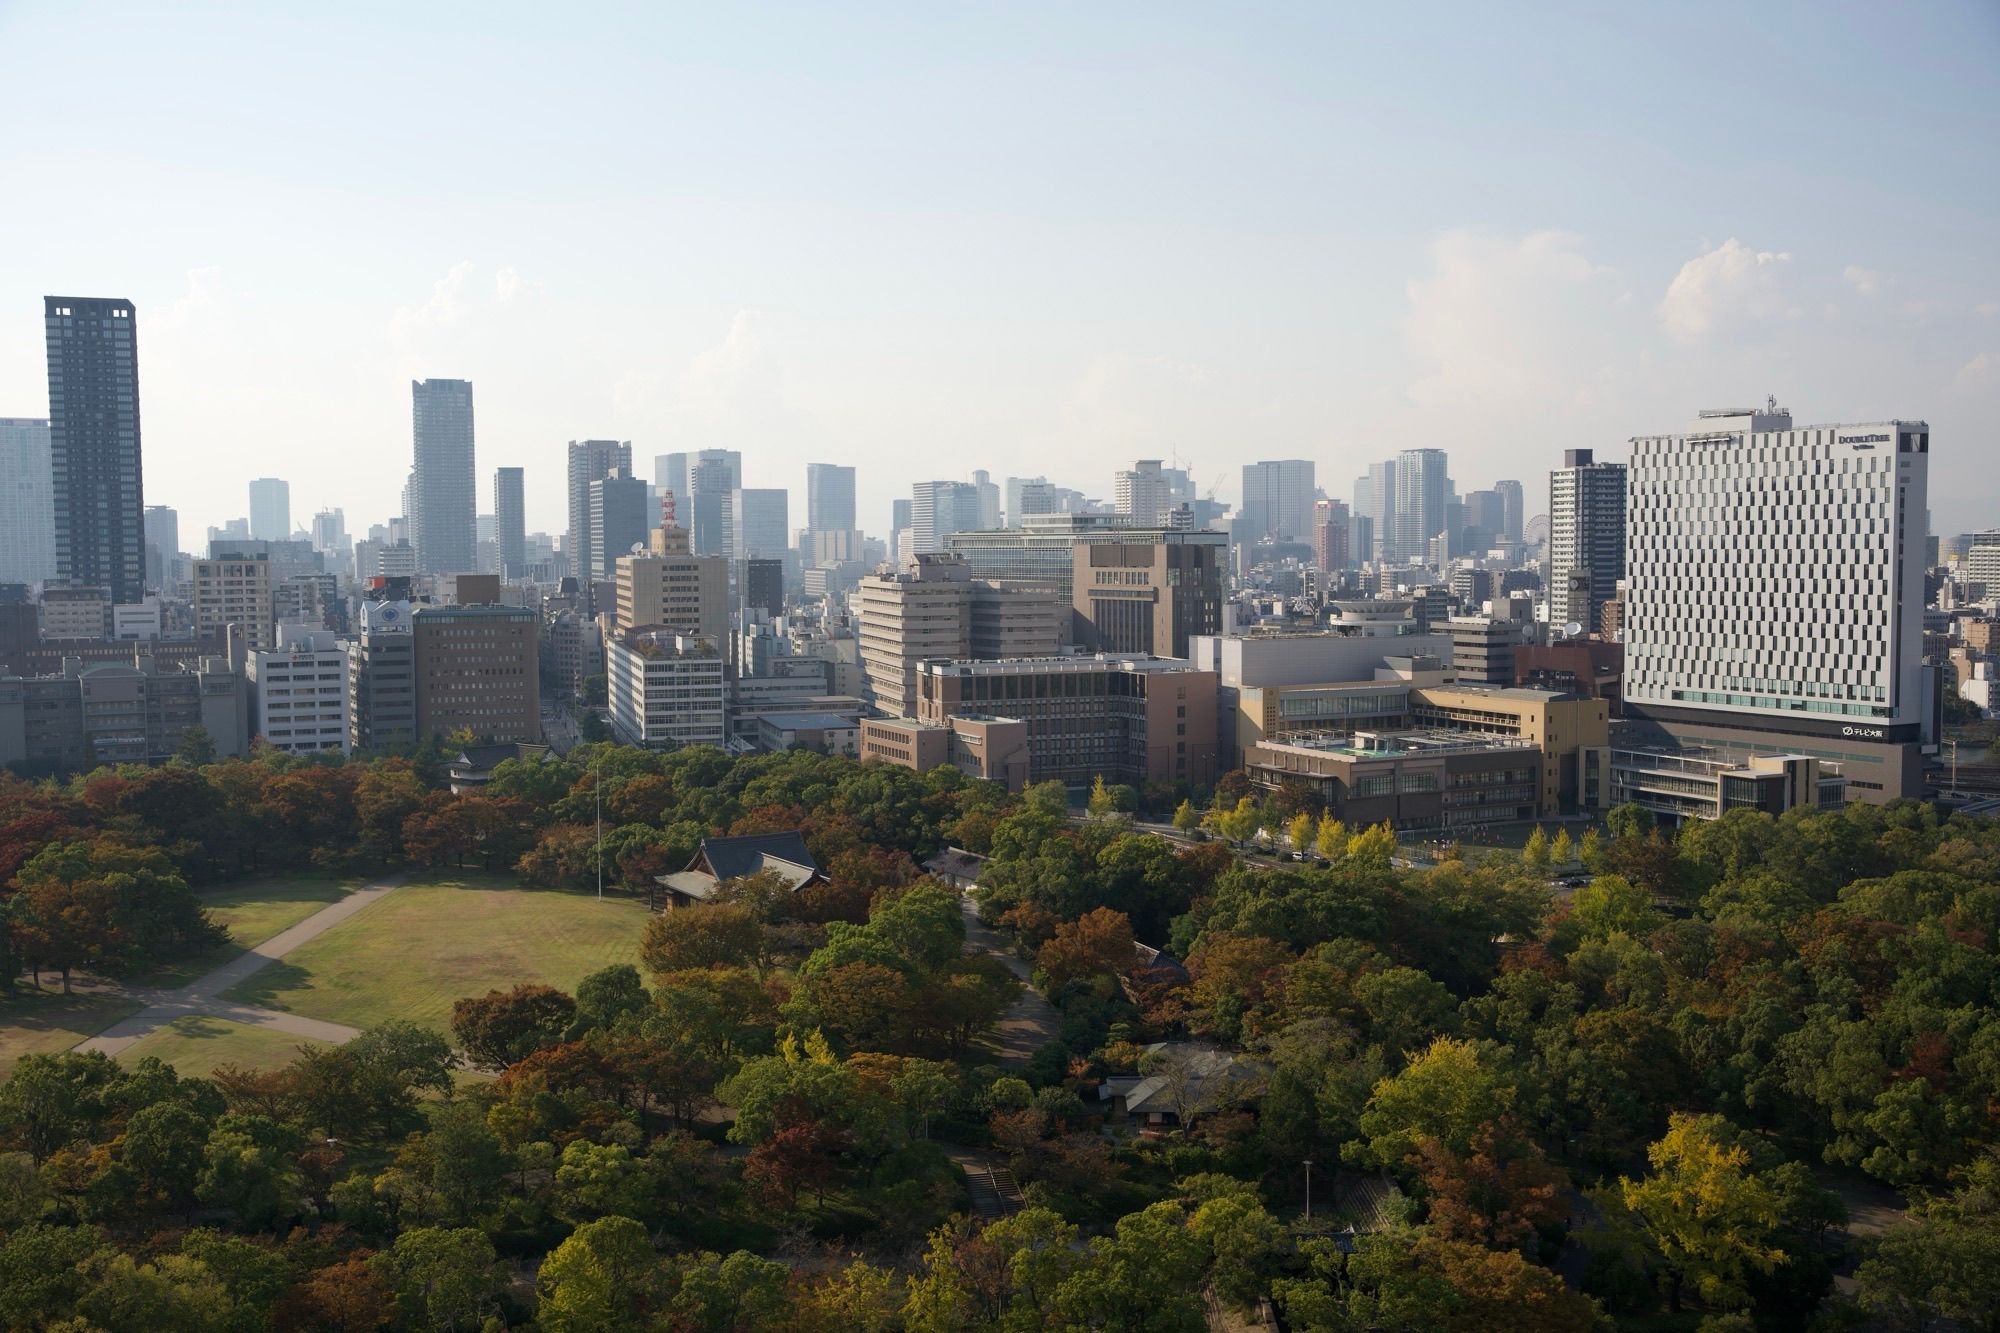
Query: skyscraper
670	473
590	461
27	502
1380	510
616	519
443	510
829	497
1586	537
937	510
510	520
1277	499
163	546
1510	500
757	522
270	510
1775	592
1029	495
96	472
1420	501
989	499
1141	492
711	475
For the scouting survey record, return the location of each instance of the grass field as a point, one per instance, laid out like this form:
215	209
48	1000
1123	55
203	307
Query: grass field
195	1045
42	1022
423	947
251	913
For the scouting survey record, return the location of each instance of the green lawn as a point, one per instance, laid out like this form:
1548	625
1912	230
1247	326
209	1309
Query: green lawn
251	913
195	1045
43	1022
425	946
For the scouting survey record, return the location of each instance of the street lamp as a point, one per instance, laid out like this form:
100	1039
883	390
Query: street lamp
1309	1189
597	791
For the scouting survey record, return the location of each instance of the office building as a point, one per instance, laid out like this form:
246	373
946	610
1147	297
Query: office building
27	502
271	509
130	711
929	609
1419	513
309	601
478	670
1511	510
939	509
164	567
1042	549
757	522
1379	507
298	692
712	476
1277	500
510	521
1331	525
1679	783
1133	719
442	506
1775	594
233	588
760	587
987	493
665	690
1587	538
71	612
670	473
616	521
382	678
96	467
589	462
1144	596
1414	781
829	497
1144	493
681	593
1030	496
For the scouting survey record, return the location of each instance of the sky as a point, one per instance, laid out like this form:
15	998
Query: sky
1039	239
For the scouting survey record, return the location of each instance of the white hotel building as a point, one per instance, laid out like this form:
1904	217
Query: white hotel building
1775	578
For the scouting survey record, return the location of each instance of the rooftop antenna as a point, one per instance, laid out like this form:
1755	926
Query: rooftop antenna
667	510
1771	403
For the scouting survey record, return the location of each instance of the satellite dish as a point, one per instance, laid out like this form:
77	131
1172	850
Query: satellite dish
1573	629
638	548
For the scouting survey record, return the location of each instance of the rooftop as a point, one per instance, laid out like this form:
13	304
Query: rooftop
1396	744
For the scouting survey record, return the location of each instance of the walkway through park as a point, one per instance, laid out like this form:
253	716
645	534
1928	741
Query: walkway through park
204	997
1030	1022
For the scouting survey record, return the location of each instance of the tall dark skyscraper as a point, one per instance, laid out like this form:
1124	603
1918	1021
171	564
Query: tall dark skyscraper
510	521
444	515
100	503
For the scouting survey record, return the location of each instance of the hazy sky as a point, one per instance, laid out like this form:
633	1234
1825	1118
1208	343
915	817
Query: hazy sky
1032	238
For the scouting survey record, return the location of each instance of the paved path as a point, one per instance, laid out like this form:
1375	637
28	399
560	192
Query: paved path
1030	1022
203	997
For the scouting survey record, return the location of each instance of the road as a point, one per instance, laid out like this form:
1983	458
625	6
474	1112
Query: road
203	997
1031	1022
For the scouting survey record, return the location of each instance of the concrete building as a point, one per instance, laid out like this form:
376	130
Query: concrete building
1679	783
1377	503
757	522
938	509
1148	492
823	733
712	475
590	461
299	692
572	651
119	712
829	498
1421	485
1511	502
510	521
1560	727
271	510
1042	549
1145	596
1587	537
1030	496
232	589
1331	528
1776	591
1441	782
139	622
165	569
1483	648
760	587
1277	500
665	690
1133	718
616	519
75	612
478	669
96	465
994	749
934	608
27	502
686	594
382	678
443	508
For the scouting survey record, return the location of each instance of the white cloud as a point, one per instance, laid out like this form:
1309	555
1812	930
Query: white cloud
1867	281
1516	322
1981	370
443	307
1728	286
509	285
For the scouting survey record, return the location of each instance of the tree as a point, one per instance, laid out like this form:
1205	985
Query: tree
443	1279
1535	852
1445	1094
1186	818
1562	852
1098	943
599	1180
248	1168
1239	824
1373	848
23	1196
1302	830
799	1155
501	1027
1245	1243
52	1100
1702	1211
742	1292
347	1297
1496	1194
687	938
1331	837
1146	1275
166	1145
605	1276
1100	804
197	746
609	995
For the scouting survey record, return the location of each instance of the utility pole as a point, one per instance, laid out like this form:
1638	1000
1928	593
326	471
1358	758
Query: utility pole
597	790
1309	1189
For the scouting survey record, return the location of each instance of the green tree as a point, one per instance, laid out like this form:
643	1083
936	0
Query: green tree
248	1168
1445	1094
443	1279
1303	830
501	1027
604	1277
197	746
1186	818
1331	837
610	994
1562	852
1535	852
1100	805
1146	1275
166	1145
1709	1219
1245	1246
742	1292
42	1272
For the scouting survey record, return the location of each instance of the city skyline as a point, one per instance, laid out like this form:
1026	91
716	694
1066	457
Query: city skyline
1065	308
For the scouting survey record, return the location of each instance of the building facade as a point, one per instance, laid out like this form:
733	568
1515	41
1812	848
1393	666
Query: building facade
96	467
1145	596
665	690
235	590
299	692
443	507
510	521
591	461
27	502
271	509
1277	500
382	679
686	594
1587	538
478	669
119	712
